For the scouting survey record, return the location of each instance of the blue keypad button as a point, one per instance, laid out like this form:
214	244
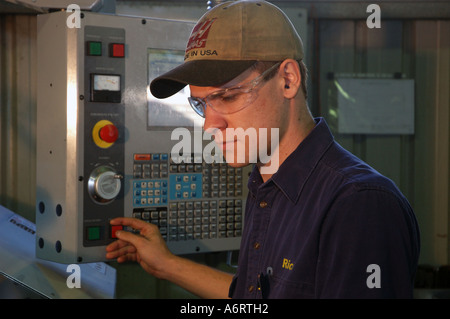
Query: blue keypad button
149	193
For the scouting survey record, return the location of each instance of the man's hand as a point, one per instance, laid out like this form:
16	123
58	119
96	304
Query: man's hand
148	248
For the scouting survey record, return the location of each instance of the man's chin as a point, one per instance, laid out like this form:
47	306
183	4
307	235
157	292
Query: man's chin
236	165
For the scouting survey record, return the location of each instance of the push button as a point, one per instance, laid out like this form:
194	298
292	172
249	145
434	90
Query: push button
117	50
93	233
109	133
94	48
105	134
114	229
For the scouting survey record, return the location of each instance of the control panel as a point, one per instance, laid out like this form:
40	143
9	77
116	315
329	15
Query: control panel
104	125
106	148
188	201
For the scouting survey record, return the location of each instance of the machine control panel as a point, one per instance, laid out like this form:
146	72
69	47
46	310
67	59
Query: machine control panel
104	125
110	153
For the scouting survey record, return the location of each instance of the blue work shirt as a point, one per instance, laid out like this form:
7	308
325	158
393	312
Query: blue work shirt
326	225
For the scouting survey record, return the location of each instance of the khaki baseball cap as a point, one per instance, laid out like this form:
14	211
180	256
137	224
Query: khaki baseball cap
226	41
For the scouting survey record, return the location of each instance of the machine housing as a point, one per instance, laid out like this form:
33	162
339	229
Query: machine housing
104	144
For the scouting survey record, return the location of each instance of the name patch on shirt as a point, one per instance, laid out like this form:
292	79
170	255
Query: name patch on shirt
287	264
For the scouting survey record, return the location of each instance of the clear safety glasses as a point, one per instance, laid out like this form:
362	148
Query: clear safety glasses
230	100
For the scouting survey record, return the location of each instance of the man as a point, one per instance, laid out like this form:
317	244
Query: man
325	224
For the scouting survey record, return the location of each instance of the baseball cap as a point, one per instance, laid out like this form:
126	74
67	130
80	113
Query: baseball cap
226	41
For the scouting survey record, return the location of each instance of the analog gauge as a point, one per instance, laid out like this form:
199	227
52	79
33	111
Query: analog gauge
106	82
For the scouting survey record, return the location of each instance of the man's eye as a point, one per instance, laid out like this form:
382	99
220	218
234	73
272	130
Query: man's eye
215	97
230	97
226	97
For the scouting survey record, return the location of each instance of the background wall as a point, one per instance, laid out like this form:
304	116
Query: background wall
419	163
414	40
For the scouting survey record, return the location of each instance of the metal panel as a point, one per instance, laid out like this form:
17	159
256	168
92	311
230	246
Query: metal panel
18	113
349	47
74	168
329	9
337	55
381	53
431	173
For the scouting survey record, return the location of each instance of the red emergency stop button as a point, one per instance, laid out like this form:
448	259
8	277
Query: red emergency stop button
109	133
105	134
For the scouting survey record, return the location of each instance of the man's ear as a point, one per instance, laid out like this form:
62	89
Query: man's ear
290	72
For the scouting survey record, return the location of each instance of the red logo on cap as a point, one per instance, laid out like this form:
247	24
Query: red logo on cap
199	35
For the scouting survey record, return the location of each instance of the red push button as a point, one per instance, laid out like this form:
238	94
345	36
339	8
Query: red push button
114	229
109	133
142	157
117	50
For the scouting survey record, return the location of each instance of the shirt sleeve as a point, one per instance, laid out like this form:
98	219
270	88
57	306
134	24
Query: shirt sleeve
369	247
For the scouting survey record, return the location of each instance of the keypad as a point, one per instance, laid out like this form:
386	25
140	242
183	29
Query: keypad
186	198
220	180
150	192
206	219
150	165
185	186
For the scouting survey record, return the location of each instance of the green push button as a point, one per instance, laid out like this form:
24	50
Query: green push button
93	233
94	48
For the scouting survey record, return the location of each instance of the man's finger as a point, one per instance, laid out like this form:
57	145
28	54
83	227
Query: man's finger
138	241
116	245
145	229
122	251
131	222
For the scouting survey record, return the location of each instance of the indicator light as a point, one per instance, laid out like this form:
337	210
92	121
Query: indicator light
117	50
93	233
94	48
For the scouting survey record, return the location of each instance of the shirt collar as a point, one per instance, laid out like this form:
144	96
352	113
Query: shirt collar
299	163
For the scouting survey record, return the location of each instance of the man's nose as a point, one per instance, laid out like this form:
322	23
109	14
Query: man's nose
213	121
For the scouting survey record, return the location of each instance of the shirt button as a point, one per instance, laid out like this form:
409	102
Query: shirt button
263	204
256	245
250	289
